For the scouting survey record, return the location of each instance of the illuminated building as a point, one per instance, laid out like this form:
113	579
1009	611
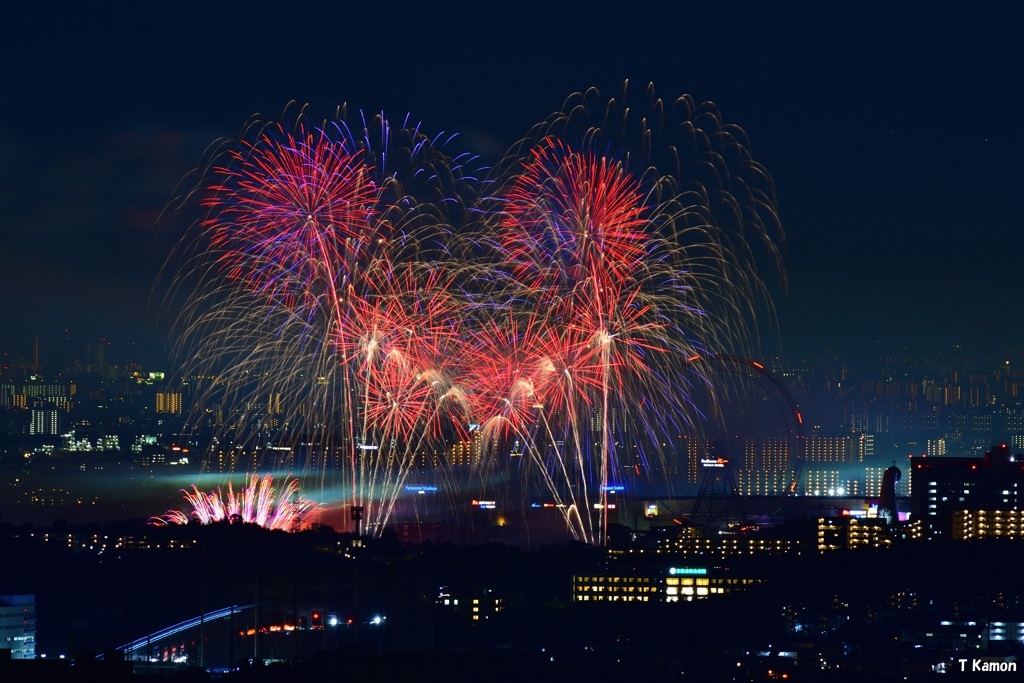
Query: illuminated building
764	483
868	533
864	448
873	481
474	606
676	584
614	587
466	452
691	543
50	393
34	393
168	402
942	486
1006	630
848	532
226	461
829	448
692	459
18	625
768	453
431	458
282	454
831	534
971	524
690	583
44	421
767	466
823	483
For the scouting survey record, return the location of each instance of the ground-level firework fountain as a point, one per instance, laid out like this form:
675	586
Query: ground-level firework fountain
356	291
257	502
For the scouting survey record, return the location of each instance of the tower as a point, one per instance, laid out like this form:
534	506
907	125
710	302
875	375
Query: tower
718	507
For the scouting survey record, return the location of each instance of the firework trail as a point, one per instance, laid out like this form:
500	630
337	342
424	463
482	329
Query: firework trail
565	304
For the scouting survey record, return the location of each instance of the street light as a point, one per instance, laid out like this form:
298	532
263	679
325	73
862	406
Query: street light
378	621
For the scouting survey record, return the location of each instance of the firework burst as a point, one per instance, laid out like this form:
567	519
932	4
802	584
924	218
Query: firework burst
394	301
573	214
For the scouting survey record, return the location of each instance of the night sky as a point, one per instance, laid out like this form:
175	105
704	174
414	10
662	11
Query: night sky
892	130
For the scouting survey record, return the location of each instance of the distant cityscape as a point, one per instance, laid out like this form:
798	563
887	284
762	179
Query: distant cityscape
857	525
827	426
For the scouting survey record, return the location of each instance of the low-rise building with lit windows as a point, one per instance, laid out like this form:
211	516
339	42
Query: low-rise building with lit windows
848	532
694	583
868	533
1006	630
674	584
831	534
971	524
614	587
476	605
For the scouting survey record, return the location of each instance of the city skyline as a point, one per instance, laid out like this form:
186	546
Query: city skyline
890	137
103	440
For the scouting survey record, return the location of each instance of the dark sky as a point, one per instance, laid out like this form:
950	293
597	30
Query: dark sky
892	130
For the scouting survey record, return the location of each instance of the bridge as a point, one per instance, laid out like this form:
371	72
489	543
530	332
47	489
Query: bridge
129	649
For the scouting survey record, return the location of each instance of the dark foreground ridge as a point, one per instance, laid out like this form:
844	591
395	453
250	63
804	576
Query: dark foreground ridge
318	605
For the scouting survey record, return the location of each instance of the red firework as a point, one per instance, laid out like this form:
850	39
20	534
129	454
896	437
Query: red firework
399	308
398	397
566	376
291	211
622	330
574	212
401	337
501	368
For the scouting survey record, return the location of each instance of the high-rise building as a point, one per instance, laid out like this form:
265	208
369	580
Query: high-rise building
765	483
864	448
44	421
819	482
873	481
7	393
168	402
942	486
829	448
